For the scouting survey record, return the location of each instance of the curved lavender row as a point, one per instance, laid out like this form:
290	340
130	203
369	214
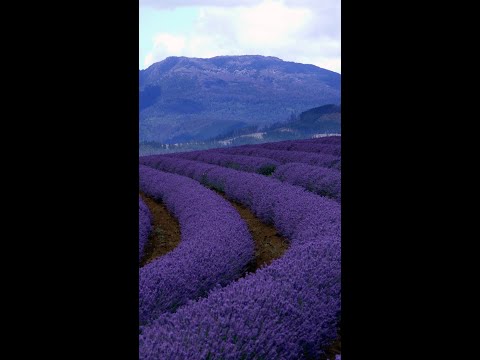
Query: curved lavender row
259	193
282	156
240	162
319	180
336	139
330	139
287	310
215	246
312	145
145	226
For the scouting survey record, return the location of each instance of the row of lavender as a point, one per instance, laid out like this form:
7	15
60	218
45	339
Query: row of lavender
288	310
334	139
215	246
320	180
310	145
284	157
258	164
144	226
331	140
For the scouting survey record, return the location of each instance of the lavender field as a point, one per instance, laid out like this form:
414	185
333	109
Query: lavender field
256	273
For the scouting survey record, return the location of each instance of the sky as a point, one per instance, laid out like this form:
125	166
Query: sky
305	31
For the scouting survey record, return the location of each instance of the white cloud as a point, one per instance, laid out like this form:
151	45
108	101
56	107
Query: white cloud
172	43
170	4
302	31
269	23
149	60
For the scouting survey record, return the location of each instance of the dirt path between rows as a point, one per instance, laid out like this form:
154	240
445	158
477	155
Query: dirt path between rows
269	244
165	235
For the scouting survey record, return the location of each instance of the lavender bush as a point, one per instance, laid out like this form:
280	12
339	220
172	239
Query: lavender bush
319	180
283	156
259	165
145	226
215	246
288	310
310	145
329	140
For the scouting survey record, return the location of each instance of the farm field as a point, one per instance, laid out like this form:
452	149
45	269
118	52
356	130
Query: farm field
240	252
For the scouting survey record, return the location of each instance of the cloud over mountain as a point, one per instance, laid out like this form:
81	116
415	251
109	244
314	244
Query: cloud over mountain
303	31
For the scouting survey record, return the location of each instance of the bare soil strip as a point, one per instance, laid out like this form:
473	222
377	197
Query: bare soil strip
269	244
165	235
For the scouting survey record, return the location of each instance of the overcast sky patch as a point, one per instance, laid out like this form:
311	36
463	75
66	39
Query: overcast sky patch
305	31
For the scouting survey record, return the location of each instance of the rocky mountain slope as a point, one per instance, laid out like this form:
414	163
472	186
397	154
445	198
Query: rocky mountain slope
184	99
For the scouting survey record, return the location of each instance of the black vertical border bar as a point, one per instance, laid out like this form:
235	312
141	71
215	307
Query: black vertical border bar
375	179
116	173
355	278
78	85
123	82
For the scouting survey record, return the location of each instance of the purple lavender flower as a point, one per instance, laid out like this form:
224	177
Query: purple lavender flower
310	145
285	156
145	225
287	310
319	180
215	246
259	165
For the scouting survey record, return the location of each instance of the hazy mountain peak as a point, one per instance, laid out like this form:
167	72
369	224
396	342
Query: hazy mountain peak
231	63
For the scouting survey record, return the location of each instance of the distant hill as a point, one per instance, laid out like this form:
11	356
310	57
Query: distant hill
324	119
315	122
190	99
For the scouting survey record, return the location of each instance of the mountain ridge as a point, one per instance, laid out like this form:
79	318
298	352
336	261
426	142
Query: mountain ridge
187	99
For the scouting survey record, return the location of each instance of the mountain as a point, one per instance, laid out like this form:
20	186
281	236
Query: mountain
324	119
191	99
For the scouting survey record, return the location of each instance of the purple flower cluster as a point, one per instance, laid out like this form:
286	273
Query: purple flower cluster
319	180
310	145
333	139
215	246
145	226
259	165
328	140
284	156
287	310
193	169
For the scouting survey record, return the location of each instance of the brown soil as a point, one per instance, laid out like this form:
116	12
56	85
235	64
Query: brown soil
165	235
269	245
